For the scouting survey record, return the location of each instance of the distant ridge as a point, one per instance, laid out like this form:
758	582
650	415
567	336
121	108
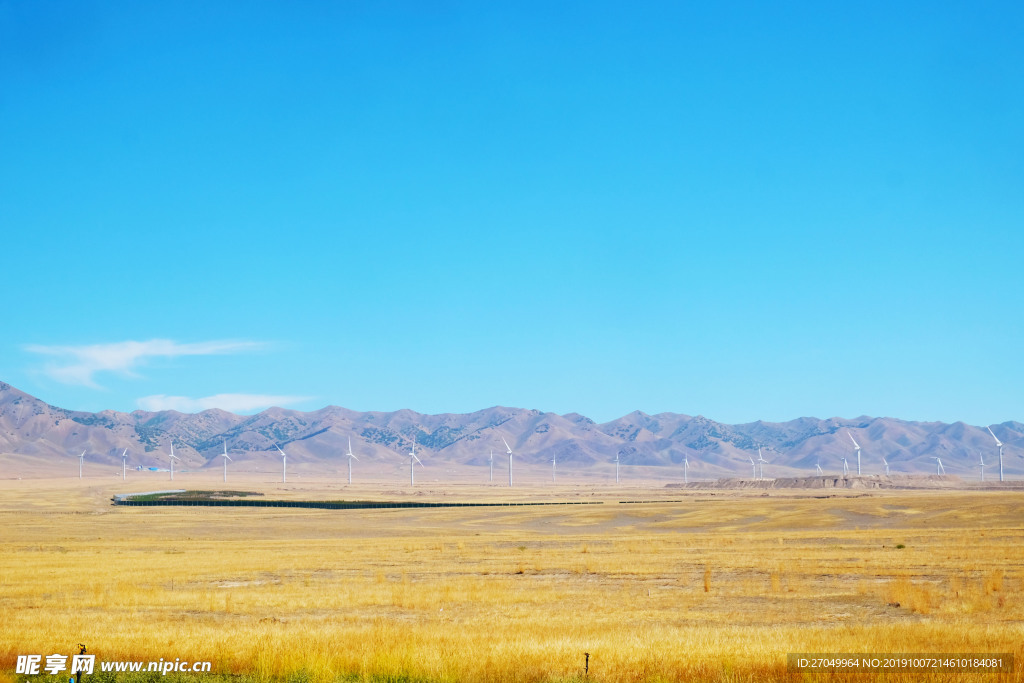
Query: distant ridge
656	443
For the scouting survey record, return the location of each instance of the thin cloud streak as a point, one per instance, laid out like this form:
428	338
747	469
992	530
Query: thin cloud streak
80	364
233	403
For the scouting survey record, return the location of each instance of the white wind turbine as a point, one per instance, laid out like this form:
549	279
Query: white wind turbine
616	468
686	468
856	447
509	449
939	469
226	458
886	462
846	468
760	462
172	457
490	463
124	465
351	456
981	462
1000	445
753	467
81	461
412	463
554	457
284	464
817	466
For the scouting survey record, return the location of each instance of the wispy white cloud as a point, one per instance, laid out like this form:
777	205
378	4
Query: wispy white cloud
80	364
233	403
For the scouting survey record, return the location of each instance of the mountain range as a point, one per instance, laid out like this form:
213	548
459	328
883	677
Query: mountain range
38	432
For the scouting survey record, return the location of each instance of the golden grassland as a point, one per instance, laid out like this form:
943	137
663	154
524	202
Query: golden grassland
717	587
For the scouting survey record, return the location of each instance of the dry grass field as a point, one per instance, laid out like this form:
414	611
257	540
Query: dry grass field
717	587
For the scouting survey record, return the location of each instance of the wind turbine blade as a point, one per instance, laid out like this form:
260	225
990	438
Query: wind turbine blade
507	447
416	459
998	442
279	449
855	444
125	453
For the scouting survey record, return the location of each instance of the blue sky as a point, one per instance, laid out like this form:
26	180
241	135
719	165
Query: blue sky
741	210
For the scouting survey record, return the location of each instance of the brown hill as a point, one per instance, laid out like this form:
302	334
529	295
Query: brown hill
38	432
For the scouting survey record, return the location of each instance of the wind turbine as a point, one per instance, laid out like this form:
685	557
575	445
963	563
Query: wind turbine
172	458
886	466
939	469
856	447
817	466
753	467
554	457
1000	445
81	460
686	467
981	461
760	461
616	468
351	456
124	464
226	458
509	449
846	468
284	464
412	463
490	463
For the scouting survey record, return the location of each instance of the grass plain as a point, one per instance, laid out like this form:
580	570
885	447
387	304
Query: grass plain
695	585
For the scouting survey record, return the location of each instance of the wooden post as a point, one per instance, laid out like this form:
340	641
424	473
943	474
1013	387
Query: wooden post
78	676
586	664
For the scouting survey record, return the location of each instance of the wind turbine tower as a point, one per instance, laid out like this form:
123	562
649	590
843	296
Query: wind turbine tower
616	468
753	467
172	458
124	465
226	458
846	468
939	469
686	470
412	463
284	464
856	447
760	462
886	462
981	462
351	456
1000	445
554	457
81	459
490	463
817	466
509	461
